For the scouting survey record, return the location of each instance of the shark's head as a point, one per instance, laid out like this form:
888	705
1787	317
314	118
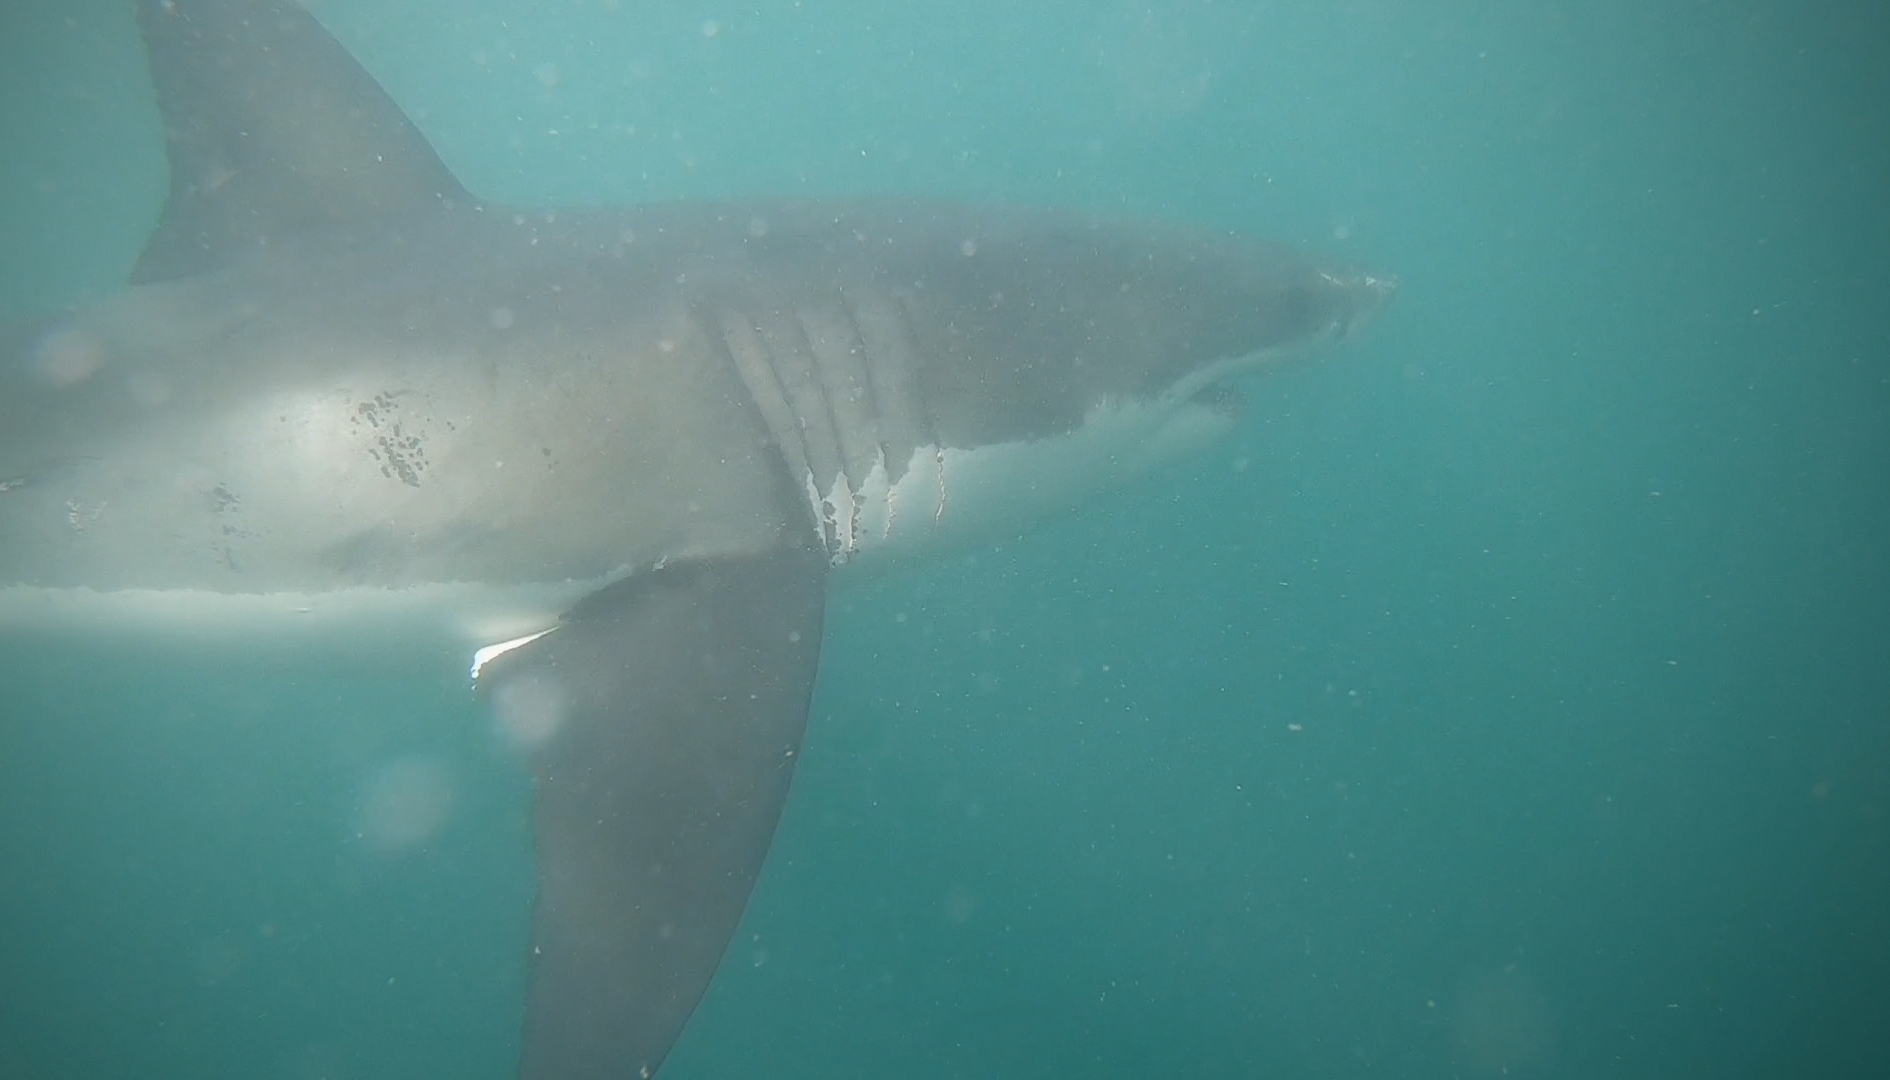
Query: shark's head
1164	313
1054	355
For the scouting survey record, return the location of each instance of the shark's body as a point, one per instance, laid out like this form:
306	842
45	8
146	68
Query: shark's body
348	409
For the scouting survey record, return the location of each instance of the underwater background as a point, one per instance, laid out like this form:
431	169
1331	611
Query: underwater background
1511	697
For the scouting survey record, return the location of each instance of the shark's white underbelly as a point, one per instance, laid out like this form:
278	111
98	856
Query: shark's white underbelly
946	498
439	625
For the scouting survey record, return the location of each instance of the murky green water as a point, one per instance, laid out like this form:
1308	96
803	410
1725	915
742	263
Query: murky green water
1511	697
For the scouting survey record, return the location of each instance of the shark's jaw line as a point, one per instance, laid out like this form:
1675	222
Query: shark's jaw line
960	496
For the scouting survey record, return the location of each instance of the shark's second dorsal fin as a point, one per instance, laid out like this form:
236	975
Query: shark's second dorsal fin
272	129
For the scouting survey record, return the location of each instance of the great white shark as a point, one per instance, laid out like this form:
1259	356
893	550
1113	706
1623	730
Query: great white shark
608	461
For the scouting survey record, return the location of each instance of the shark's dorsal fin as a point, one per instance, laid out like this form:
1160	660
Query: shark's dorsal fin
272	129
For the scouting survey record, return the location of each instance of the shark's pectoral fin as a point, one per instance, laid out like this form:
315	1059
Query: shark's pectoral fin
671	707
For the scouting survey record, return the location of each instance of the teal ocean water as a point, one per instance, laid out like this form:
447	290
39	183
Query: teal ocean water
1511	697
